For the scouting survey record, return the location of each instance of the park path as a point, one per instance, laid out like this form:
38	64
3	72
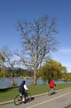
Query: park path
59	100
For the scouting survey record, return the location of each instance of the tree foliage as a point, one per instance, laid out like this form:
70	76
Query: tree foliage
51	70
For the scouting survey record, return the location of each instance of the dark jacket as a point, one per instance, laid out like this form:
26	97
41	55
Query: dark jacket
21	87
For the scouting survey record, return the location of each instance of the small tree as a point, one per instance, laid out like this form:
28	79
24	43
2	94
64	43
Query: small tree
37	42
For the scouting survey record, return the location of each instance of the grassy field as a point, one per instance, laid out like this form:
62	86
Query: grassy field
37	89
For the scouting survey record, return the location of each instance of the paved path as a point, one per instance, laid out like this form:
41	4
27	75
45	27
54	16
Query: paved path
59	100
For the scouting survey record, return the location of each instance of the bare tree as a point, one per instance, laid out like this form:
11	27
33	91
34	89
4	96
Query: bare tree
38	40
2	67
9	62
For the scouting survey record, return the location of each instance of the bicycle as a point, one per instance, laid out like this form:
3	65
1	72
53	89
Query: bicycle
18	98
52	91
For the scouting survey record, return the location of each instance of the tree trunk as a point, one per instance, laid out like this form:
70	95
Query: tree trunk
35	77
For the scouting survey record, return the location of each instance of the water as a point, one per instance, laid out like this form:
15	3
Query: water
6	82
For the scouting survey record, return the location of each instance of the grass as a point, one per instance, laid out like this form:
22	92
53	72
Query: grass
8	94
69	106
34	89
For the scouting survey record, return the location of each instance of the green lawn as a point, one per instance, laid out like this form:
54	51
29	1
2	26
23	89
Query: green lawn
37	89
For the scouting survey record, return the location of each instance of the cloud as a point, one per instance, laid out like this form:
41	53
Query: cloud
68	68
63	55
65	50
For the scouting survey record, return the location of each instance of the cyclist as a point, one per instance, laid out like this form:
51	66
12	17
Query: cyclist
52	85
23	90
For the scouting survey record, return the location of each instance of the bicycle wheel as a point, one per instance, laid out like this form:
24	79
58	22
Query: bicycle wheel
29	97
52	91
17	100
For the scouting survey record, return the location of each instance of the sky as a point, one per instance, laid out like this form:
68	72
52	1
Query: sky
12	11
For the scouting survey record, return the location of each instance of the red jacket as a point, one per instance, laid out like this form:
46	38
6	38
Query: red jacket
52	84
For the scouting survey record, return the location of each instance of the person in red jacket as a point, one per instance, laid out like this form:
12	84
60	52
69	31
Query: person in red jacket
52	85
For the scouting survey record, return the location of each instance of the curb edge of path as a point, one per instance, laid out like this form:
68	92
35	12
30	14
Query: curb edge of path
42	94
11	101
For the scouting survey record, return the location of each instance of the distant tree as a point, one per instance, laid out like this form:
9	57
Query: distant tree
69	76
51	70
9	62
9	59
2	59
64	69
2	67
38	40
64	73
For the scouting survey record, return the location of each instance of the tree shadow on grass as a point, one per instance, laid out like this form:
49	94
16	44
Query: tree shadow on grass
6	89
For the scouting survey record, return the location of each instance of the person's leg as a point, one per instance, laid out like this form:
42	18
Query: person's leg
51	91
23	97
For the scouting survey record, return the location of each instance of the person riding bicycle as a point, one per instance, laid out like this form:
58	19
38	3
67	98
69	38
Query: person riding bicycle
23	90
52	85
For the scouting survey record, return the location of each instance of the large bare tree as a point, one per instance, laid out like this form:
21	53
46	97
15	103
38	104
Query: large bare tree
38	40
